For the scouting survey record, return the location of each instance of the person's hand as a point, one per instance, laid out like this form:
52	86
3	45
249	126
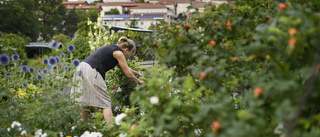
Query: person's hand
140	81
140	74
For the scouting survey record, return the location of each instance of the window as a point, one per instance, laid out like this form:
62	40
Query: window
126	23
141	22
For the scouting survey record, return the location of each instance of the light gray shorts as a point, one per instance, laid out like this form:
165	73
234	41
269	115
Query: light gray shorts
92	86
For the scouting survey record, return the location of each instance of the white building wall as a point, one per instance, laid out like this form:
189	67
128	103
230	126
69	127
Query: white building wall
163	10
182	7
143	24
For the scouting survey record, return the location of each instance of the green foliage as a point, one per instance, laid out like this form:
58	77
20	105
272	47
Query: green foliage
98	35
133	23
120	86
82	47
93	14
83	29
19	16
64	39
112	11
51	14
198	84
14	44
161	24
70	24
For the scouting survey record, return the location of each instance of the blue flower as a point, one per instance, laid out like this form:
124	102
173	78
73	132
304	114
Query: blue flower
71	48
44	71
24	68
66	67
25	84
4	59
15	57
80	73
57	59
31	69
45	61
52	61
39	70
8	75
75	62
62	55
39	77
138	45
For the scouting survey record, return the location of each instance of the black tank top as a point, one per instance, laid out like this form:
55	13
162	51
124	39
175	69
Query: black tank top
102	59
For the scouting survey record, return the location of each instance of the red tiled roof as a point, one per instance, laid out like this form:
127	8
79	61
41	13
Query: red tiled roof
114	3
74	2
175	1
81	7
201	4
149	5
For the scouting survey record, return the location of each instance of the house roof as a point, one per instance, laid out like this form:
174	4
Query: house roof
197	4
116	16
114	3
148	16
55	45
174	1
140	15
74	2
149	6
81	7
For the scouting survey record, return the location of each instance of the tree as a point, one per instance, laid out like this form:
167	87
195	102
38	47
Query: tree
70	23
112	11
14	44
160	25
83	29
133	23
51	15
93	14
19	16
64	39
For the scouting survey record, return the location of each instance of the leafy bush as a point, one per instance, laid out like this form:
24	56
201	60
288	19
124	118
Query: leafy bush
248	69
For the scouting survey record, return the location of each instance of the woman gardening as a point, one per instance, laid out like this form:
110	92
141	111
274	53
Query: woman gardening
93	68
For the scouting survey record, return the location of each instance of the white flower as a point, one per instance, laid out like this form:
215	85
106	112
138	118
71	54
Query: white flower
96	134
119	117
15	124
119	89
122	135
61	134
24	133
85	134
8	129
154	100
279	129
73	127
44	135
197	131
38	133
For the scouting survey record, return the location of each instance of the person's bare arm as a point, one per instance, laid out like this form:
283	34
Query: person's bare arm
136	72
124	66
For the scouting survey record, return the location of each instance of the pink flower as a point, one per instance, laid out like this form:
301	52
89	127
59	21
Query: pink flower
117	108
114	90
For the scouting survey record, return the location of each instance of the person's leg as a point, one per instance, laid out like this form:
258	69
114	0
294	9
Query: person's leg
84	113
107	114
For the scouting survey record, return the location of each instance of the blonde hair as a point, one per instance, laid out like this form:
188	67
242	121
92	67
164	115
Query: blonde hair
124	42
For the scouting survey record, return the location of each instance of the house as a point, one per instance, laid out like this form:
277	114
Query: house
78	5
105	7
141	20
